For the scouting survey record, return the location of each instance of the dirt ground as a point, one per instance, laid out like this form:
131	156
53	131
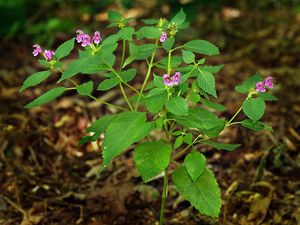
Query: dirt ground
48	178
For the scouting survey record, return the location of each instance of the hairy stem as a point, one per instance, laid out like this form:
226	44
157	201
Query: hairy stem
123	54
125	97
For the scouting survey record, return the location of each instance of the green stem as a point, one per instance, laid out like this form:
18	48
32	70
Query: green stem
123	54
163	198
169	62
237	112
147	76
100	100
125	97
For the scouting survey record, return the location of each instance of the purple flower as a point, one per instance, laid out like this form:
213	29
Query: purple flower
97	38
79	36
171	81
167	80
260	87
269	82
36	50
176	78
83	38
49	54
163	37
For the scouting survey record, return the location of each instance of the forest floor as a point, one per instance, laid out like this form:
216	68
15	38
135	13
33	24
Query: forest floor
47	178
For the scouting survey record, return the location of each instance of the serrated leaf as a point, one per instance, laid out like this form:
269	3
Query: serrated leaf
148	32
46	97
248	84
128	75
156	99
195	163
159	122
151	158
207	83
194	98
204	194
202	119
222	146
202	46
213	105
188	57
126	33
168	44
256	126
65	49
150	21
85	89
158	81
127	61
140	52
178	142
178	106
212	69
108	84
126	129
254	108
179	18
35	79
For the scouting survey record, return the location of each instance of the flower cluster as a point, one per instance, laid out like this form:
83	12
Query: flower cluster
86	40
261	86
163	37
171	81
48	54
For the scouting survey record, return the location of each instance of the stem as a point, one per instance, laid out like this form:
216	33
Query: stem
163	198
169	62
147	76
100	100
125	97
123	54
237	112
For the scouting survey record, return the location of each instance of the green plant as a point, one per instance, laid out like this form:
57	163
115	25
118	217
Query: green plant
178	104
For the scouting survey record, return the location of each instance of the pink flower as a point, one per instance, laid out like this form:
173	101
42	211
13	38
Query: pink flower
83	38
97	38
176	78
171	81
36	50
79	36
260	87
49	54
269	82
163	37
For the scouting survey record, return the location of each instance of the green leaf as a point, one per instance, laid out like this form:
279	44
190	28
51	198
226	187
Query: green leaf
148	32
206	82
202	119
141	51
126	129
85	88
175	62
151	158
179	18
156	99
204	194
267	96
150	21
254	108
221	146
127	61
178	142
213	105
195	163
158	81
168	44
188	57
113	15
202	46
159	122
126	33
108	84
97	128
46	97
178	106
35	79
188	138
194	98
256	126
248	84
64	49
128	75
212	69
